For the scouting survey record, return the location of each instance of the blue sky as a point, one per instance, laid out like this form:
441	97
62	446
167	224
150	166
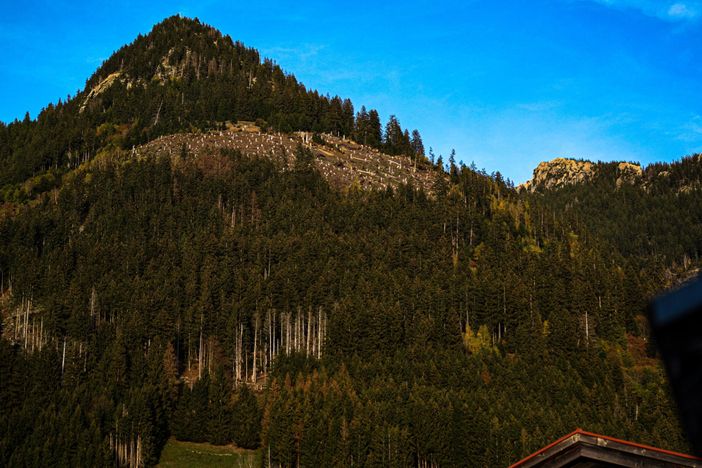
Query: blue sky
506	83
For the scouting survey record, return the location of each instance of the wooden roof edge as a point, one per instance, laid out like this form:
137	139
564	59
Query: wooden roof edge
545	449
640	446
581	432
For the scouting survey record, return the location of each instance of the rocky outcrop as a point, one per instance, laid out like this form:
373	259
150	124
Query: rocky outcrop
164	72
558	173
100	88
172	68
104	85
628	173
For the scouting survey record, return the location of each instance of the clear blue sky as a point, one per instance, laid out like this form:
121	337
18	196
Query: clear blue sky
506	83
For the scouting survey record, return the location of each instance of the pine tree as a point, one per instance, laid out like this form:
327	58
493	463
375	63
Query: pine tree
374	137
219	419
246	419
393	140
416	143
362	131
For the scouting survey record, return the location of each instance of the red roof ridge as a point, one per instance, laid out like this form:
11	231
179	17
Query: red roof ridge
579	431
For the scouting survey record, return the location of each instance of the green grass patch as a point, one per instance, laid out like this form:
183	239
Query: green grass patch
177	454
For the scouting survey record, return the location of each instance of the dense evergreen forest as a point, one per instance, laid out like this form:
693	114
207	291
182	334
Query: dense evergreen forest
654	217
226	298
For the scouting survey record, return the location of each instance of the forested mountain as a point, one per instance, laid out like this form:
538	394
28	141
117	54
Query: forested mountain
183	75
213	287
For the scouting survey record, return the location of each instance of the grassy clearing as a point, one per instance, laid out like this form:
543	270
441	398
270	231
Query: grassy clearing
177	454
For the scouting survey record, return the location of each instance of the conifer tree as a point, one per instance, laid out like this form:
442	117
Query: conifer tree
416	143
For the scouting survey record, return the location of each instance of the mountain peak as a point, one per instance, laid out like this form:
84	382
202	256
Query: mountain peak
171	42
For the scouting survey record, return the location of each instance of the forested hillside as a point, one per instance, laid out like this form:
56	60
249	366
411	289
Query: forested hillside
225	295
651	214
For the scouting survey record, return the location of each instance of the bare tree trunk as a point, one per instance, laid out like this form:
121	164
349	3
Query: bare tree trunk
26	324
158	113
319	332
17	321
138	451
241	349
199	354
275	346
309	329
587	330
93	301
287	332
210	354
255	349
297	316
268	340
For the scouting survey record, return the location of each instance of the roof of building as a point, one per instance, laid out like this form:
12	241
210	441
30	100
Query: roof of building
587	449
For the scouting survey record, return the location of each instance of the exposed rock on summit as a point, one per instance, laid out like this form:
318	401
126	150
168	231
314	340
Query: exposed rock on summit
628	173
559	172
